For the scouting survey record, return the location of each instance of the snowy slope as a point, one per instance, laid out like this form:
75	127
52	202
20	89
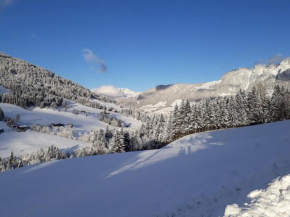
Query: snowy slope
81	122
273	201
26	142
3	90
198	175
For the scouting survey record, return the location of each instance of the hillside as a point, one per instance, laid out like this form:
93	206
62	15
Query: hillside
24	143
198	175
30	85
163	97
27	142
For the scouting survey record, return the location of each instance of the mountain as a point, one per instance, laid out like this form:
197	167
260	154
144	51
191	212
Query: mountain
129	93
198	175
114	92
31	85
163	97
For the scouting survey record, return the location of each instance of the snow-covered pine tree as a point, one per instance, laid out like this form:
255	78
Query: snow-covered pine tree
175	122
255	107
241	110
117	142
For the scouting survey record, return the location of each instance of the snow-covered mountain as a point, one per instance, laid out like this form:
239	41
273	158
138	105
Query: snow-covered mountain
129	93
162	97
198	175
114	92
31	85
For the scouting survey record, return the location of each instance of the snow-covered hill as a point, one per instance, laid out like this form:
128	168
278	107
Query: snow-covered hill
198	175
23	143
30	141
31	85
114	92
229	84
81	122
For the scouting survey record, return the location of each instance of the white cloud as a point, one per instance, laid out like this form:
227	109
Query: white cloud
276	59
91	59
109	90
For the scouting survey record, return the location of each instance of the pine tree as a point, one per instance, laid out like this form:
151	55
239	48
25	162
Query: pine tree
117	142
2	116
255	106
175	122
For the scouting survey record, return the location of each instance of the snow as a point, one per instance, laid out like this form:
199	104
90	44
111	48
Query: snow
273	201
161	107
129	93
208	85
112	91
81	122
4	126
3	90
26	142
198	175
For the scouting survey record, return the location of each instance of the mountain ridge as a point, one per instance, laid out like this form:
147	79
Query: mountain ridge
229	84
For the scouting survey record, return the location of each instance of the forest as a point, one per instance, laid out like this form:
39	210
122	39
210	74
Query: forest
243	109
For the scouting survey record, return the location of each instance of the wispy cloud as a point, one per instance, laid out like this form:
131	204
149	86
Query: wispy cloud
92	59
276	59
4	3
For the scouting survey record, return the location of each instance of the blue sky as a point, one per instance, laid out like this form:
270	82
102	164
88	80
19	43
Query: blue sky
140	44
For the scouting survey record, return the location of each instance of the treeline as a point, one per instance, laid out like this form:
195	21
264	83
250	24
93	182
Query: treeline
254	107
13	162
244	109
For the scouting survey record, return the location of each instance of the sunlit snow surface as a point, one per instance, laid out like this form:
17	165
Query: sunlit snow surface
273	201
198	175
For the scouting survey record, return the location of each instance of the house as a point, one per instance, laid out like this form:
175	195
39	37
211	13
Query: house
22	128
15	127
57	125
19	128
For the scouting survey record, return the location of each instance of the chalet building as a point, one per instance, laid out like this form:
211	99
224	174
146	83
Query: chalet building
57	125
19	128
22	128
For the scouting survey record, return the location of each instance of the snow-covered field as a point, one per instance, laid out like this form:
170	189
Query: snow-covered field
26	142
198	175
81	122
